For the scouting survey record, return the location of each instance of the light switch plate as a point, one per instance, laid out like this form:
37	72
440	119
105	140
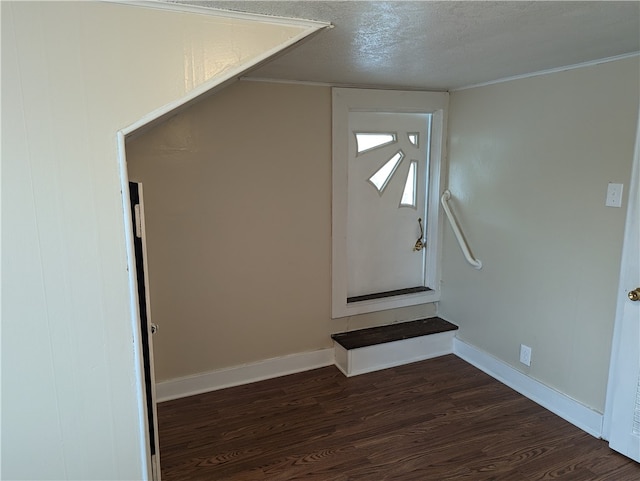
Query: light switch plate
614	195
525	355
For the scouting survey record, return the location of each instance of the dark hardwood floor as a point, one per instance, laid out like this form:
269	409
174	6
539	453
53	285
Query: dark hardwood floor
440	419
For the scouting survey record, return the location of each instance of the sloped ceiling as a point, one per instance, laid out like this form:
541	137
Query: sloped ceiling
444	45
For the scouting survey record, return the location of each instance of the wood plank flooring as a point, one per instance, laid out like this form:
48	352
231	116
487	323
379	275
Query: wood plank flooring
440	419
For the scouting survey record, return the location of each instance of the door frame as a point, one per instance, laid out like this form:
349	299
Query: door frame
146	329
619	353
345	100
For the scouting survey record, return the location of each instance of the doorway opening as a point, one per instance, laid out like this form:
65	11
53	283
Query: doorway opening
388	155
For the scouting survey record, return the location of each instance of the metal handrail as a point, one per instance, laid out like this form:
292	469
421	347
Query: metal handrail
444	200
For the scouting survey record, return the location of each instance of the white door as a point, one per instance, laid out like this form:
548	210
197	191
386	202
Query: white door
387	181
147	328
623	396
377	199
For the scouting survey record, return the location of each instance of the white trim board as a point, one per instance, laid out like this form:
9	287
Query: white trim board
549	71
560	404
537	73
226	77
353	362
221	12
311	83
243	374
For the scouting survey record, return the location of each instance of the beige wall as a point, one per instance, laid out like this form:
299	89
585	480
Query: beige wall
529	163
238	281
73	74
238	207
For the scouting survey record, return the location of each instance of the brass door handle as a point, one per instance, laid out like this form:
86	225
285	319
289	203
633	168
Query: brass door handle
421	243
634	295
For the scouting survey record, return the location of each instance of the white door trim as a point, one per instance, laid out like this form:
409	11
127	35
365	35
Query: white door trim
369	100
624	350
141	232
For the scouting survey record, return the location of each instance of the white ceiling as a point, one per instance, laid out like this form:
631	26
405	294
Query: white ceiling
444	45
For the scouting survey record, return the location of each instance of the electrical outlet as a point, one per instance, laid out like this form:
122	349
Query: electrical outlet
525	355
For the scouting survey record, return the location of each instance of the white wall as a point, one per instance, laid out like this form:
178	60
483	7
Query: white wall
530	160
73	74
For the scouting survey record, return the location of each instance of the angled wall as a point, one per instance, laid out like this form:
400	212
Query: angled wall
73	74
238	217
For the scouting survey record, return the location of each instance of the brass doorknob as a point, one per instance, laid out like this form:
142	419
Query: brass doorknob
634	295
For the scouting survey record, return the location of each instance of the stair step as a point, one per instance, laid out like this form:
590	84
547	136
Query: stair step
375	348
392	332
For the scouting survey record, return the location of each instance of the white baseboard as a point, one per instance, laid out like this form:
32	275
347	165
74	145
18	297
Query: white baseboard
243	374
567	408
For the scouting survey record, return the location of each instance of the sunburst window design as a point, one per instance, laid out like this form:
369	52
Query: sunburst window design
366	141
383	175
409	194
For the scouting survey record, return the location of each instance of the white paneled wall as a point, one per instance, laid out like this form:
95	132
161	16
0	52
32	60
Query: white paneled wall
73	74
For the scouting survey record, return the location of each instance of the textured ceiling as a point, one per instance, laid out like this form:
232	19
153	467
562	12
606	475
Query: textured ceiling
444	45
